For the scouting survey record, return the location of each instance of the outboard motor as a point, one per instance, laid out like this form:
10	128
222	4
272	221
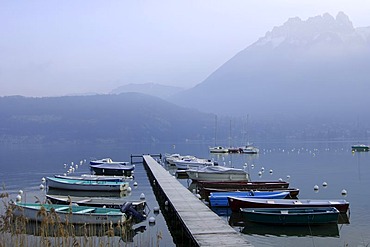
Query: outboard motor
128	209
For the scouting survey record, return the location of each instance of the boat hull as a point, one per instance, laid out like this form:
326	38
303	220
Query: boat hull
237	203
94	201
184	165
243	185
206	192
194	175
70	214
360	148
219	199
291	216
86	185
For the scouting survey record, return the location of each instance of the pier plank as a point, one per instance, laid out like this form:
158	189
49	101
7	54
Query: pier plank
205	227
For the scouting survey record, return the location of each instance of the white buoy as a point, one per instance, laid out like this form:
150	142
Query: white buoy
198	196
76	166
65	165
151	220
259	173
18	198
20	192
129	189
156	209
166	203
316	187
262	168
64	174
324	184
42	187
287	176
135	183
142	196
271	171
344	192
252	165
280	180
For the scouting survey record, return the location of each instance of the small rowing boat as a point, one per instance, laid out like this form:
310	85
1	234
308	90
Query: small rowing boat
87	185
291	216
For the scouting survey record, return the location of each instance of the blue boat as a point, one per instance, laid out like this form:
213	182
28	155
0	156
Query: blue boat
219	199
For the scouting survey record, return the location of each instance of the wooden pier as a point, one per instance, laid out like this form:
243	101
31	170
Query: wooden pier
202	226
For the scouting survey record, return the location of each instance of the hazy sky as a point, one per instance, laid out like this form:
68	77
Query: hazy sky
50	47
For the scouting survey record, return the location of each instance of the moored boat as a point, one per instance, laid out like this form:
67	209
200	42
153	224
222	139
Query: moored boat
218	149
88	177
189	163
217	173
205	192
236	203
360	148
107	161
109	202
87	185
243	185
291	216
71	214
249	149
112	168
219	199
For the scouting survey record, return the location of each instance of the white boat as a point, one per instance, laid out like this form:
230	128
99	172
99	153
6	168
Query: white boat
218	149
170	158
107	161
249	149
189	163
90	177
218	173
111	168
86	185
71	214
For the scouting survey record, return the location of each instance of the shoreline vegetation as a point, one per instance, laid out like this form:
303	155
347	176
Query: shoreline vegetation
51	231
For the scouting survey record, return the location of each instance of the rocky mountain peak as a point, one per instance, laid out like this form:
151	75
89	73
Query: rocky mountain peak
301	33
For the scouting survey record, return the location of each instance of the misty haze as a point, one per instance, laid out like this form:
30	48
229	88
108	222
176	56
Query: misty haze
282	86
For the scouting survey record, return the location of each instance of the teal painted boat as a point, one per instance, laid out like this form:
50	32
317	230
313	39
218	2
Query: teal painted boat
291	216
360	148
86	185
72	214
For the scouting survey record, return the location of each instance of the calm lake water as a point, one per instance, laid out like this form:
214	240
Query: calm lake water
304	165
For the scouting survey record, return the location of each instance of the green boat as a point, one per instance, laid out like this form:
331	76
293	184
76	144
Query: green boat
291	216
71	214
360	148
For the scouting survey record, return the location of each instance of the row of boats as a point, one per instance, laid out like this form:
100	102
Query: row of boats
271	202
108	177
248	149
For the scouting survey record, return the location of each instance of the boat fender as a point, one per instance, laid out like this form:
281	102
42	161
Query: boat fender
128	209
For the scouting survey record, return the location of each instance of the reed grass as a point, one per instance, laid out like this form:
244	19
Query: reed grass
51	231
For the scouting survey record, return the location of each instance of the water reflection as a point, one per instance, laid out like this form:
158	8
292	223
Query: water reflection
236	220
328	230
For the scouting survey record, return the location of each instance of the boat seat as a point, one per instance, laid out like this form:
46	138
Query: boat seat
82	201
84	211
61	209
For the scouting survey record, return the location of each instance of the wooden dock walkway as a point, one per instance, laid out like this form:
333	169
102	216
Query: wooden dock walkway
202	225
